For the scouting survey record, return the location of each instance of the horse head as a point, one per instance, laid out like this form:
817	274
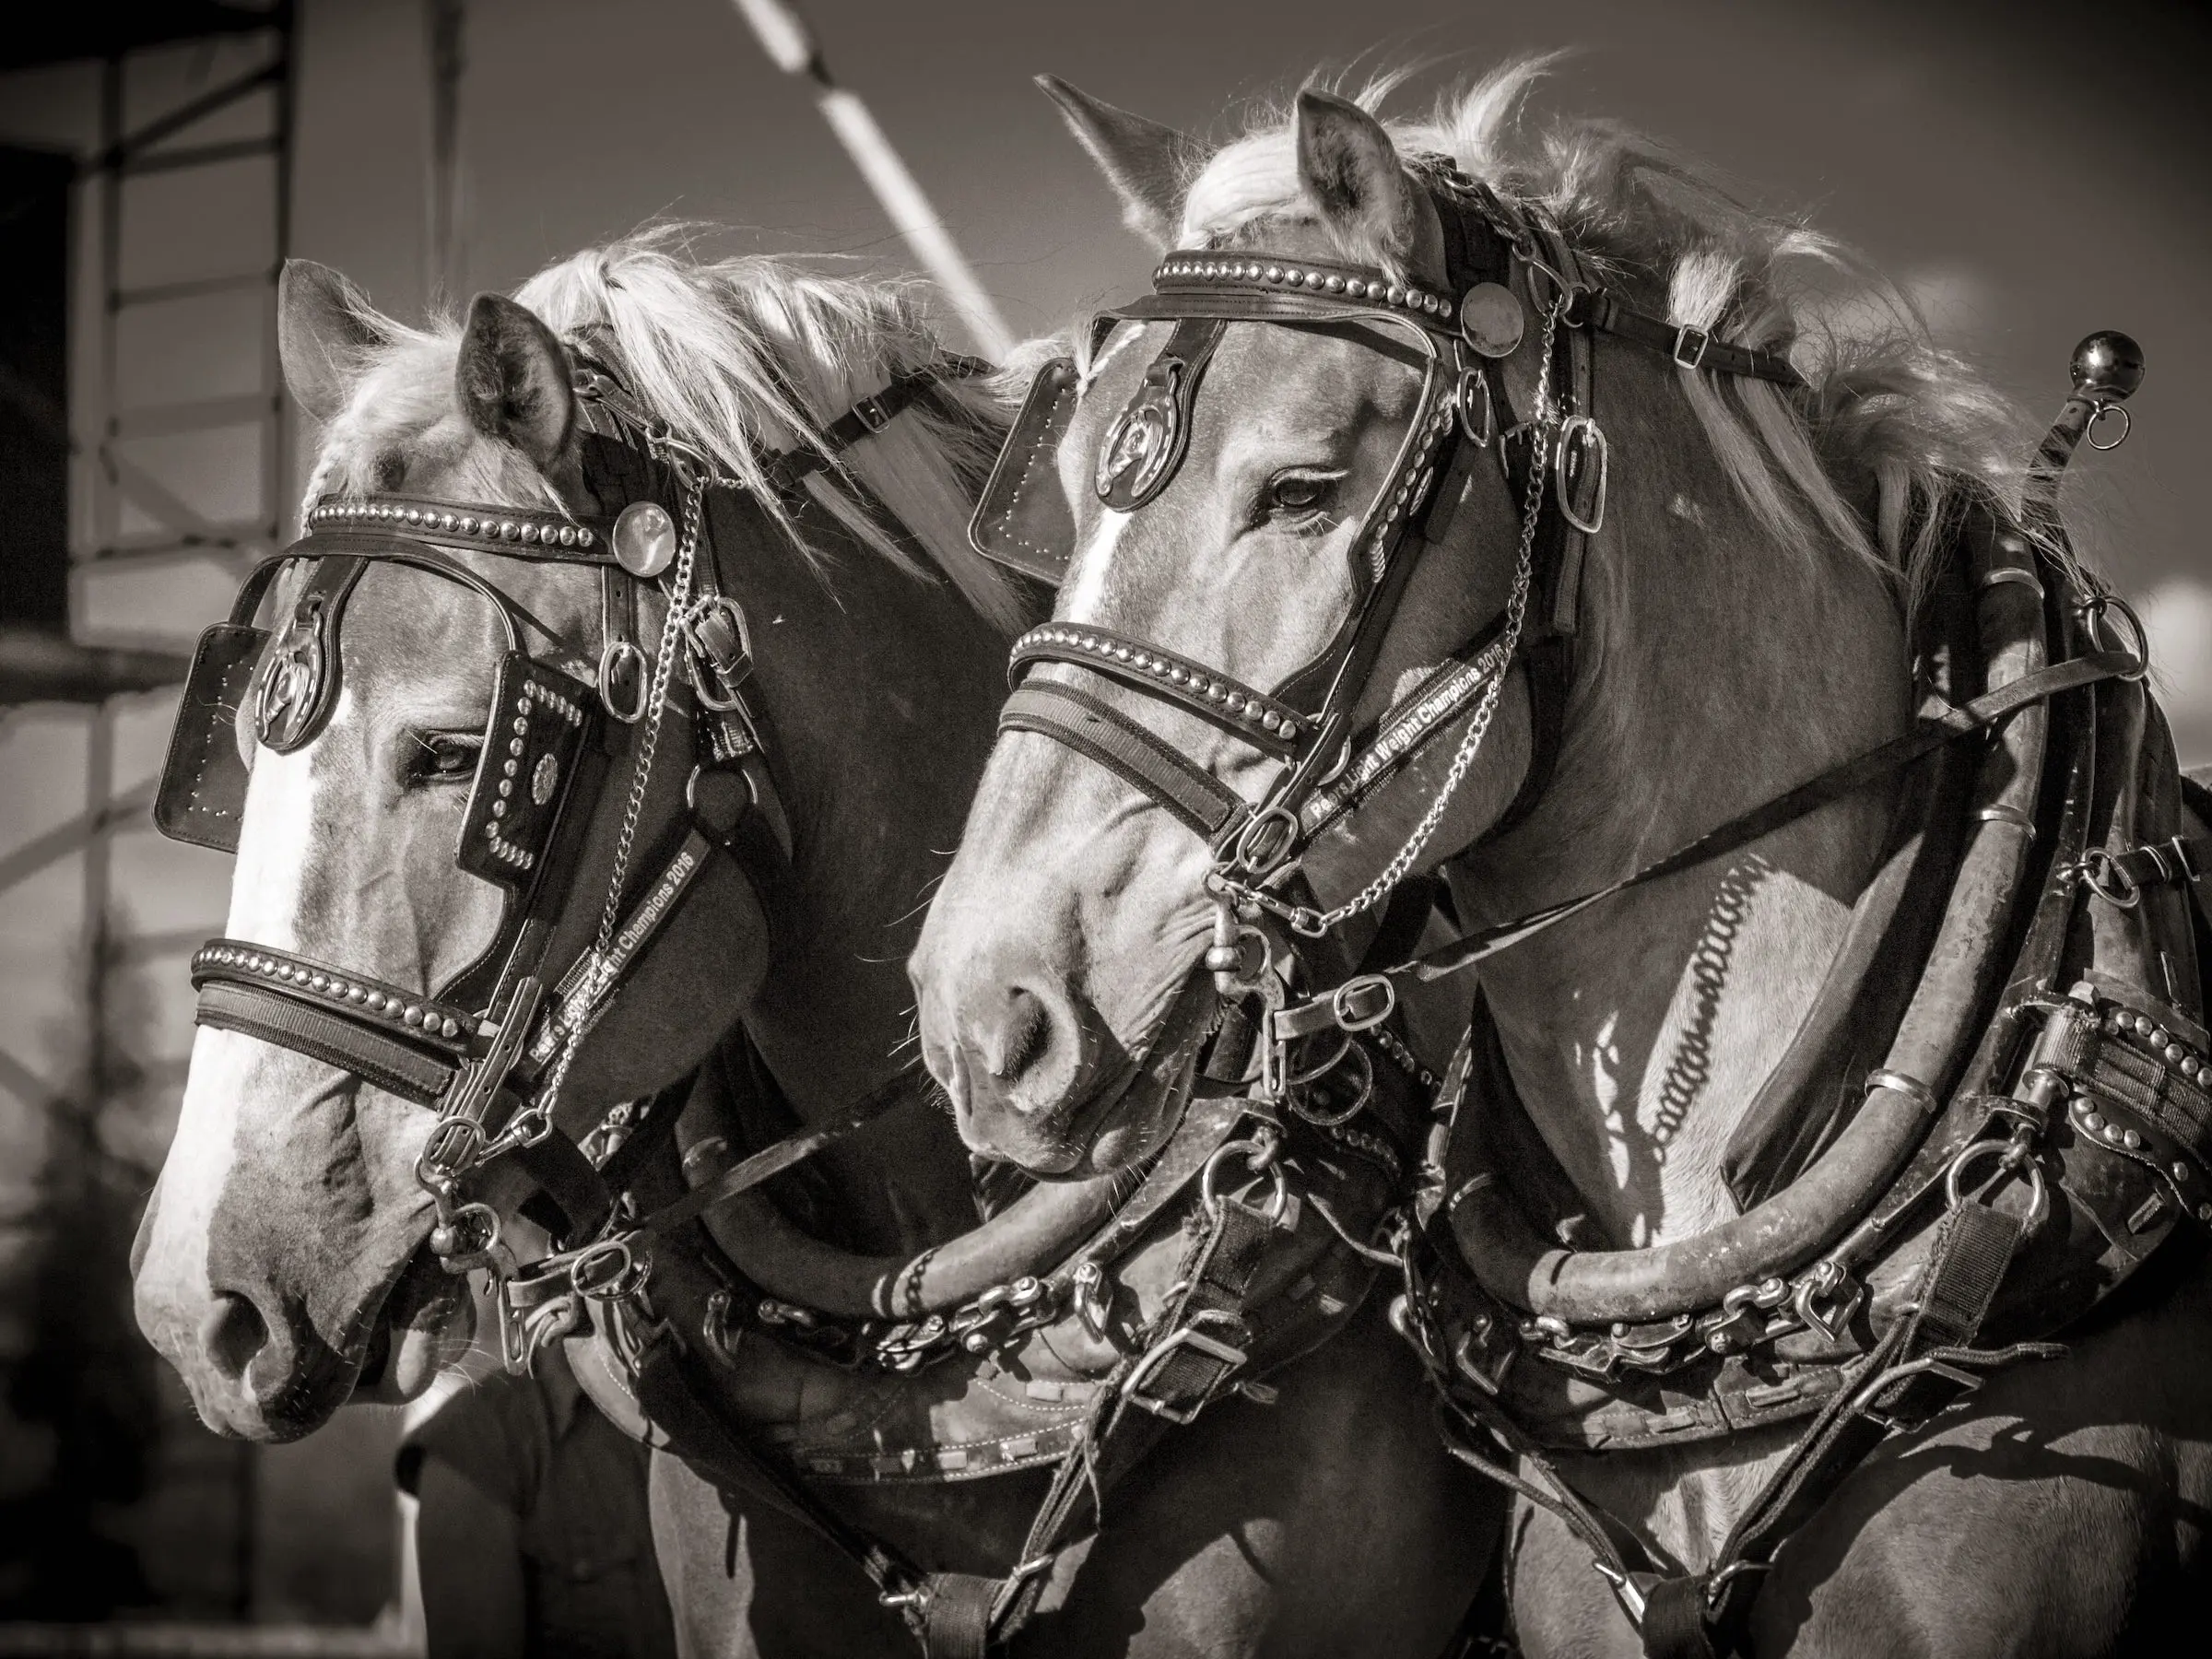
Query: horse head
407	853
1067	943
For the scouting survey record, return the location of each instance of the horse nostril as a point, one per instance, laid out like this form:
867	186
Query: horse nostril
1021	1040
233	1334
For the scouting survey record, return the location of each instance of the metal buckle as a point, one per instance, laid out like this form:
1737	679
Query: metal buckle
1342	999
870	413
1681	353
621	660
720	646
1579	435
1479	432
1189	1336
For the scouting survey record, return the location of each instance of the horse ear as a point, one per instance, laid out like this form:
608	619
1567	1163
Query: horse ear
1351	170
1149	165
324	327
511	379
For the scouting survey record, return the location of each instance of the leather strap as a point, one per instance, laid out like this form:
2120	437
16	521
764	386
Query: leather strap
1832	785
1260	720
1924	1364
1689	348
270	1016
788	470
1101	731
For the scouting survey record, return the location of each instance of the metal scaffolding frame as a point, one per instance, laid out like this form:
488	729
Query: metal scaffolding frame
111	479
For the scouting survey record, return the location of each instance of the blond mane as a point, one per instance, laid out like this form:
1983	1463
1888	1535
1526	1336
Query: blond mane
1897	434
743	357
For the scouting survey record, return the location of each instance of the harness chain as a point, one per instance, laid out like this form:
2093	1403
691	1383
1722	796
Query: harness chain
1531	512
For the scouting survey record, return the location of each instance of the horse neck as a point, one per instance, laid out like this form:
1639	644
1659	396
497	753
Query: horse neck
882	693
1716	669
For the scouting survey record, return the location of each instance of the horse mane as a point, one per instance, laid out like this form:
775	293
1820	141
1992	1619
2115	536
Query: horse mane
1898	436
745	357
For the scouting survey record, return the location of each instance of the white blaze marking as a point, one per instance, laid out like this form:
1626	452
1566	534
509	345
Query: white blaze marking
173	1295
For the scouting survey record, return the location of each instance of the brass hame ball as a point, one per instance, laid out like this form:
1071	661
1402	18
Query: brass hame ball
2106	367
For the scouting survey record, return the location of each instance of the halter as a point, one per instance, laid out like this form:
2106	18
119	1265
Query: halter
489	1049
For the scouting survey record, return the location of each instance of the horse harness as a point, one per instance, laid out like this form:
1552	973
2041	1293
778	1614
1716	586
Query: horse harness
2089	1062
490	1048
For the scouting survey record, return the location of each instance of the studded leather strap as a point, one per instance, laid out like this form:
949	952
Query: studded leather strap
1261	721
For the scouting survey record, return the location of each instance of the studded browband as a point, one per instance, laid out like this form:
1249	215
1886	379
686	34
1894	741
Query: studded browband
1282	286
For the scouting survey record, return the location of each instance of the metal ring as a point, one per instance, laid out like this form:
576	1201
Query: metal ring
2000	574
1248	1150
1294	1078
2097	414
615	652
2093	613
2039	1195
1566	292
1912	1088
589	1274
1361	1097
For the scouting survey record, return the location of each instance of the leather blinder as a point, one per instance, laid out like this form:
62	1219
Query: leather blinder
1023	519
541	720
201	799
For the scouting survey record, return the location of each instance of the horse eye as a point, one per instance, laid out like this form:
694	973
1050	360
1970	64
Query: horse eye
446	758
1298	494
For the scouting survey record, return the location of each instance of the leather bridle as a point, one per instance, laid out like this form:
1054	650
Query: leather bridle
1554	458
488	1049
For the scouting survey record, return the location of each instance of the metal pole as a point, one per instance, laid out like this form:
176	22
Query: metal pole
793	49
442	27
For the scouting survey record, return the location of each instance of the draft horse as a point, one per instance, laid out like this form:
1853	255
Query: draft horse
585	764
1810	1227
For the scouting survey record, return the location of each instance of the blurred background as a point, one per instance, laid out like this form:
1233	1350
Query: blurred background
2030	172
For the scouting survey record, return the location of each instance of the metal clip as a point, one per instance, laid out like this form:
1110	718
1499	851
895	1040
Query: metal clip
1690	347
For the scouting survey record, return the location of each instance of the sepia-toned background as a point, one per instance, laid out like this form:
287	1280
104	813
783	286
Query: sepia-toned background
2030	172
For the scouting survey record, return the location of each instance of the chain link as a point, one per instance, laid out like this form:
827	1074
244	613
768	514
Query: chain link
1542	427
672	639
694	480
